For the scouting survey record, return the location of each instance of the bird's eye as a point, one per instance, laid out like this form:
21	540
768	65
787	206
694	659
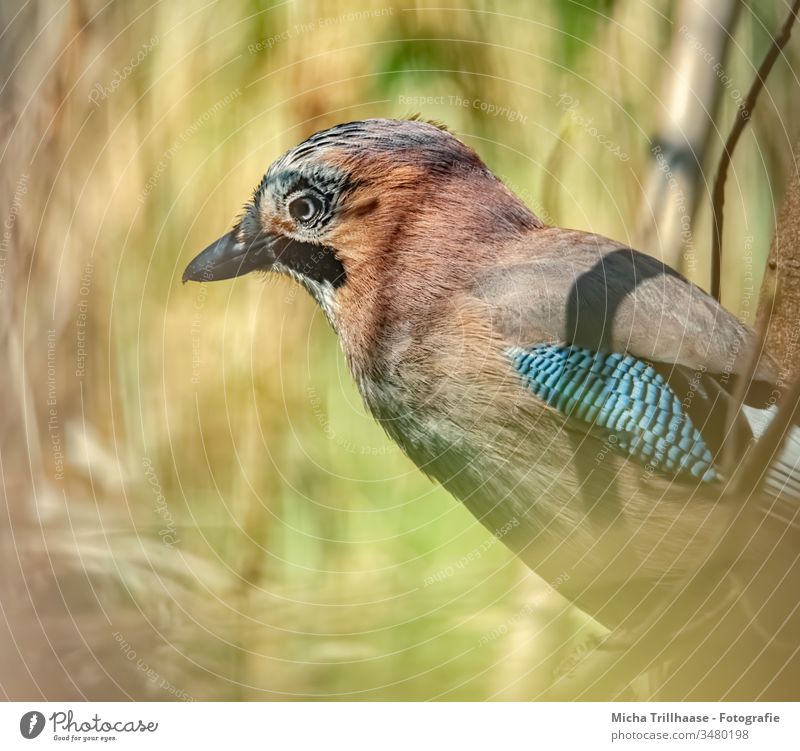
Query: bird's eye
305	208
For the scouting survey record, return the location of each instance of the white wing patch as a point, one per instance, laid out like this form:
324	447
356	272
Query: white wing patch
783	475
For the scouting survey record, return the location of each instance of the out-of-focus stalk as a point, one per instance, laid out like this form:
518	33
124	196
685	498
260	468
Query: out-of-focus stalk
692	87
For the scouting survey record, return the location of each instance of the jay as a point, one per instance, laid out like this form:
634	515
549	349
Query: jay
573	393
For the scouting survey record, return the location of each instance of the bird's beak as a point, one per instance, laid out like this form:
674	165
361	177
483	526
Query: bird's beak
228	257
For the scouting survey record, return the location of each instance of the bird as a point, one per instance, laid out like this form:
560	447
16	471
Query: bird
587	403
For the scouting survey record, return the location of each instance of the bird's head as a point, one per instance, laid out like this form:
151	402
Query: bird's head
366	205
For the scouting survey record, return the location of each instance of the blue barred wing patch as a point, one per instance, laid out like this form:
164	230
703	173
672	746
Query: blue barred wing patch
622	395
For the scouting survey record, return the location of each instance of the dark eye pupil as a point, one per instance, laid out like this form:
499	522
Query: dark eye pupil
305	208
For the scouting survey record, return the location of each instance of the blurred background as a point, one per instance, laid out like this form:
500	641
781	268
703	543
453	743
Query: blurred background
196	506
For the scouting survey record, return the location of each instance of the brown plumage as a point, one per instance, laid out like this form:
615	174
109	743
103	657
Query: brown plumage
435	276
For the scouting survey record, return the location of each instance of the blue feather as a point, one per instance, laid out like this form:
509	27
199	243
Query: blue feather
623	396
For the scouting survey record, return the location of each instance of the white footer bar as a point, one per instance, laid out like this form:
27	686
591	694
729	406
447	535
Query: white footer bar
398	727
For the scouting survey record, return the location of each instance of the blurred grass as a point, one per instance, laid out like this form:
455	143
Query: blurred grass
312	559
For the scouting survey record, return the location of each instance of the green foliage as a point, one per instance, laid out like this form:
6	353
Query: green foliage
579	22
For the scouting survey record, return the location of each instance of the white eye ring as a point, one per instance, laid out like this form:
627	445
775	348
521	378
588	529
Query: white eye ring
305	208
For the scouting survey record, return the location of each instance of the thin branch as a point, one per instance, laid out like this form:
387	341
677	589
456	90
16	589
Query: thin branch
743	115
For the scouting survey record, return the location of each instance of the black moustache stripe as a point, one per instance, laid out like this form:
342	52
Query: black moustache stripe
315	262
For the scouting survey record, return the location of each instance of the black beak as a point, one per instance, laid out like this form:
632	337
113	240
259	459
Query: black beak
226	258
